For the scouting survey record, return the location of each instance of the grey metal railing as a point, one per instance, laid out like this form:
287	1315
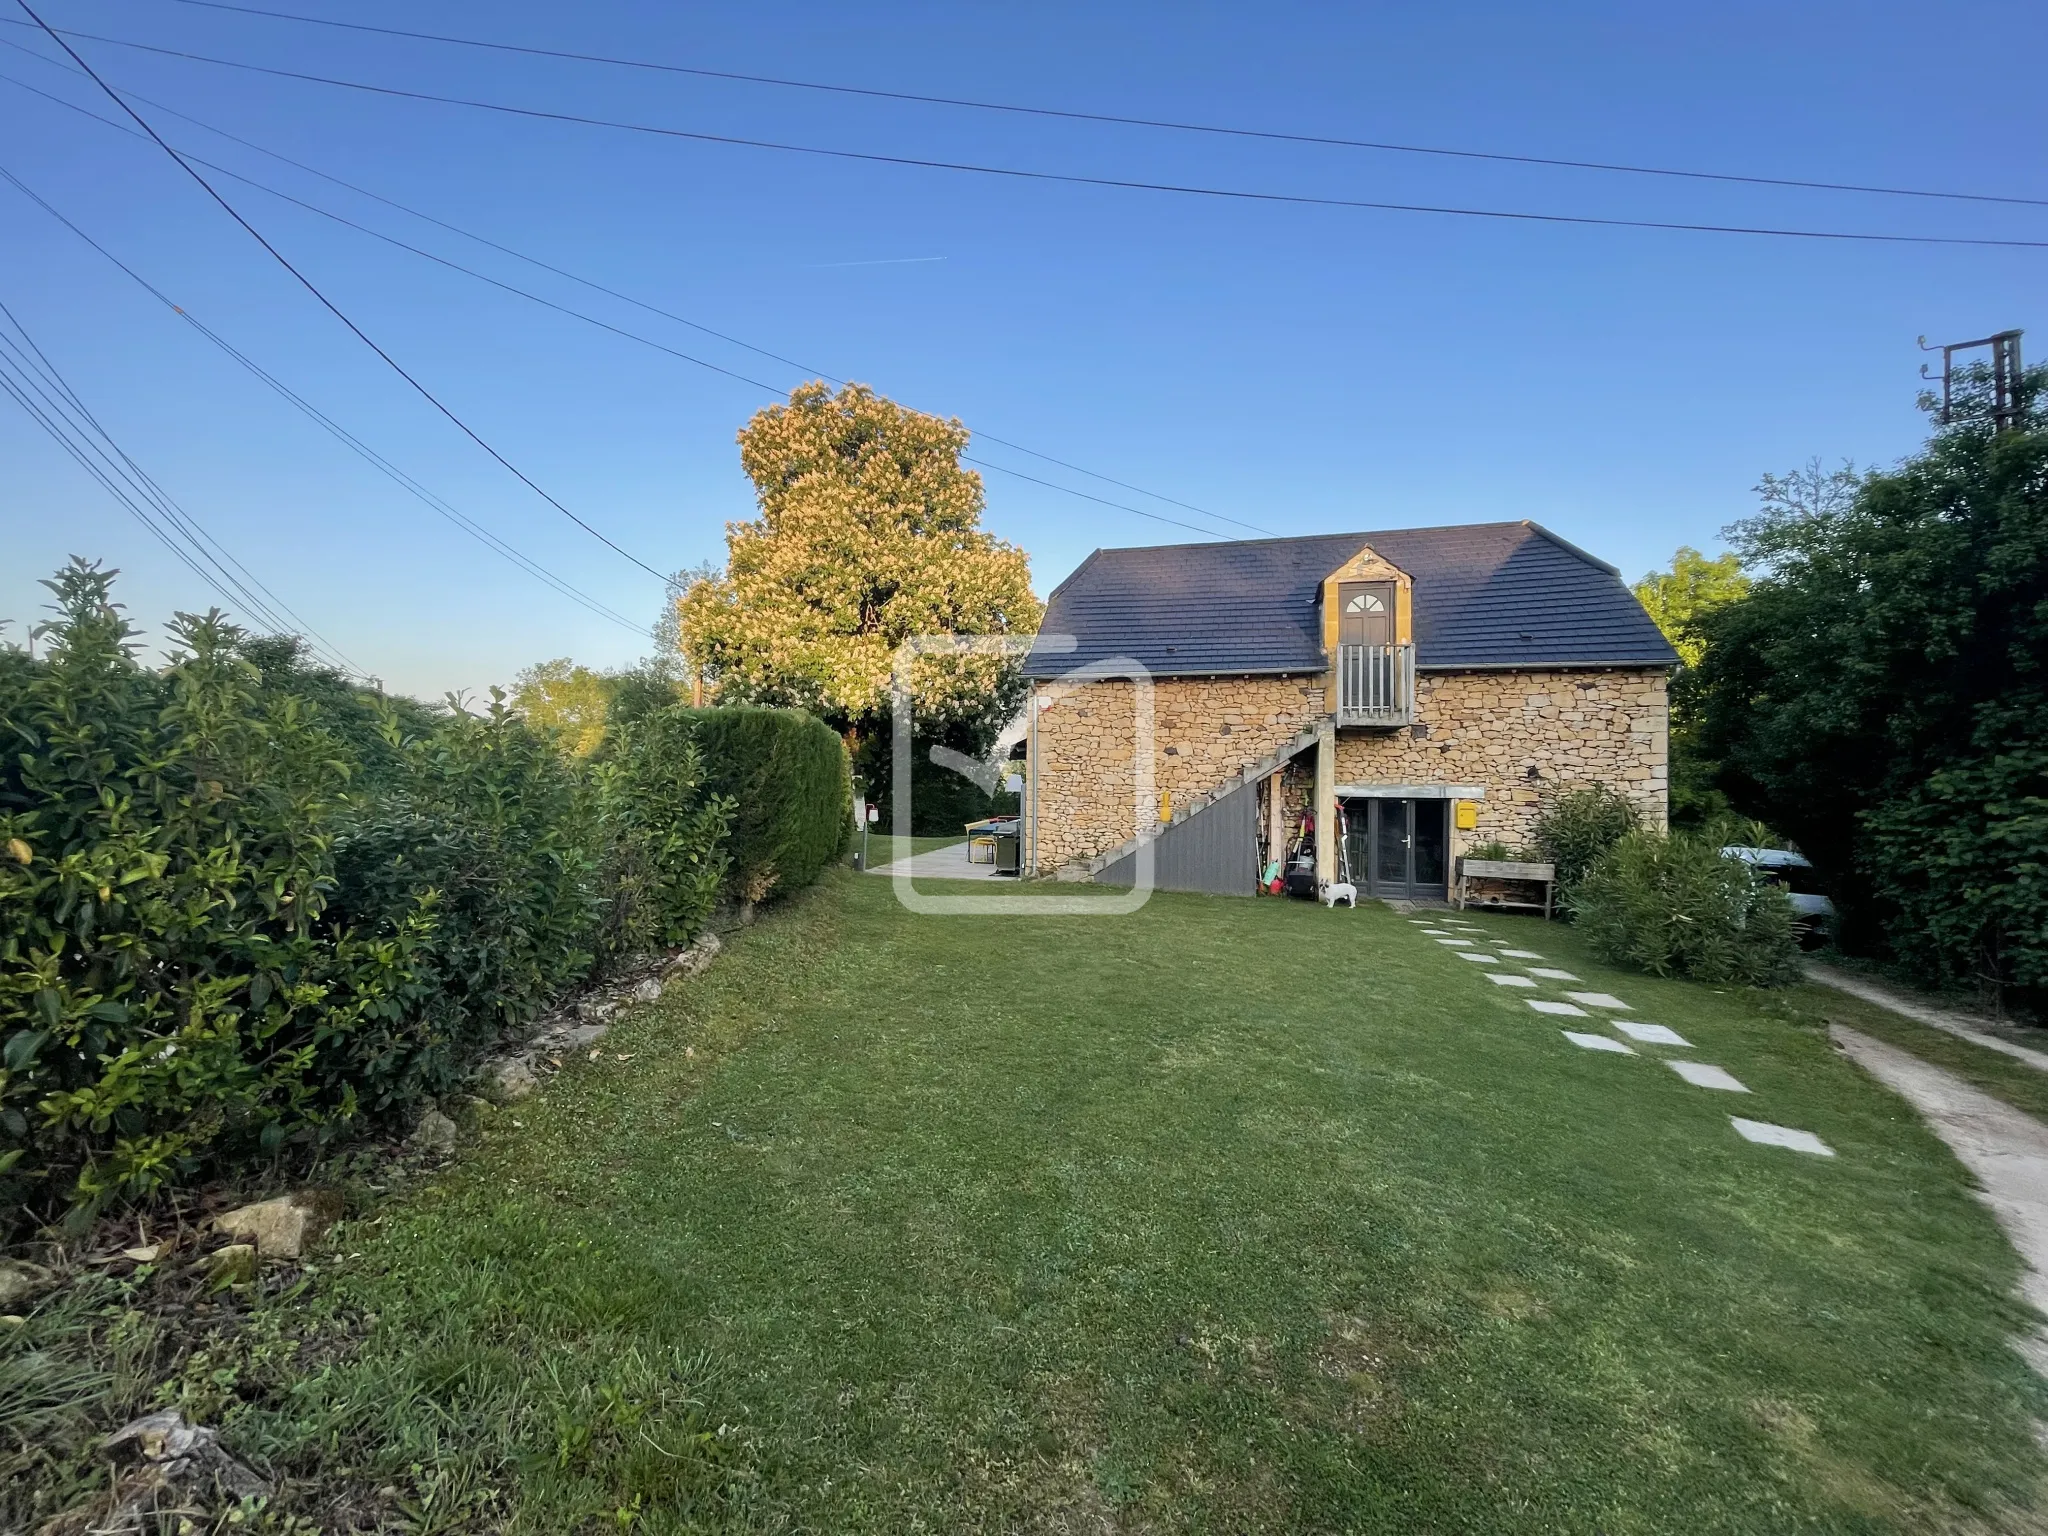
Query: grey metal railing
1375	684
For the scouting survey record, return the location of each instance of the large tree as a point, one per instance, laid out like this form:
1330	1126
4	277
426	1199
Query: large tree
566	703
869	533
1882	693
1694	586
1679	599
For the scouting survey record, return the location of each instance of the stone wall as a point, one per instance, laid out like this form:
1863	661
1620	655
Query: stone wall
1522	736
1204	730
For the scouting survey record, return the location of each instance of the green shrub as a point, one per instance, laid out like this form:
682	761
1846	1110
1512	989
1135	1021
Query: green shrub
1493	852
169	992
487	823
665	832
1577	827
1673	906
229	929
785	773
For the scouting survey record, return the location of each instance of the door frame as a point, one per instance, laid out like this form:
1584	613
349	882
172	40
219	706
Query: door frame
1364	816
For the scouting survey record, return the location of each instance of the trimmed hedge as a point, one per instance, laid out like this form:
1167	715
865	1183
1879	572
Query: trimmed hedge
786	774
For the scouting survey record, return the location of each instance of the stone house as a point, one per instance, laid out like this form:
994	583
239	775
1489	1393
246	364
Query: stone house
1420	691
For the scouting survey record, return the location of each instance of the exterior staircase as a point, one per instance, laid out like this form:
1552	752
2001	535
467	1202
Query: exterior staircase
1251	773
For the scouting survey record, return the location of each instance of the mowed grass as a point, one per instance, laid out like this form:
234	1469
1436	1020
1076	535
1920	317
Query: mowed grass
2020	1085
1229	1216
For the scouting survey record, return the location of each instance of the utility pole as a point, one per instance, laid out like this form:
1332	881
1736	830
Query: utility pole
2005	375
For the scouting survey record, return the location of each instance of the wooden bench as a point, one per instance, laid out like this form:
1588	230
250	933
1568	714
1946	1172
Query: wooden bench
1505	883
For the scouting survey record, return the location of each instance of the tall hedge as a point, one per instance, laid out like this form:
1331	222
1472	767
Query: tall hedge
227	929
786	774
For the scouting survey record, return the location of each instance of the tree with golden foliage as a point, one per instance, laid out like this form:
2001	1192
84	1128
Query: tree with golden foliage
869	533
565	702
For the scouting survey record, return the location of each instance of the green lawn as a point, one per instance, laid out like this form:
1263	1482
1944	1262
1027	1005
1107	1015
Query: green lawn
1999	1075
1230	1216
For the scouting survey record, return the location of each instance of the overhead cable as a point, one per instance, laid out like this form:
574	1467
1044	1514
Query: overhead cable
1018	173
384	466
335	310
603	288
1121	120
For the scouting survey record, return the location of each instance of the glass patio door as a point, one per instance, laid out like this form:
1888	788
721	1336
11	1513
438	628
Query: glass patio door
1398	849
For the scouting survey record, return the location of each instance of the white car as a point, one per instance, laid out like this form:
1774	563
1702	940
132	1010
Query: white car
1795	874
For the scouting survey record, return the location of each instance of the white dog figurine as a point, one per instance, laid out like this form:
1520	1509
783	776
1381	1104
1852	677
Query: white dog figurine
1340	890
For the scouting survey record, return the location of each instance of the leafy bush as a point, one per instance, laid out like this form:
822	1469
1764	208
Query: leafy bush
237	916
1881	697
785	773
169	989
1578	827
1673	906
491	827
665	832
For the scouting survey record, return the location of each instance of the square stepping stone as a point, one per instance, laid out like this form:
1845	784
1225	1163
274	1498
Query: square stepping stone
1438	932
1545	1005
1700	1075
1509	979
1651	1034
1597	1043
1473	954
1598	1000
1521	954
1537	970
1454	941
1767	1135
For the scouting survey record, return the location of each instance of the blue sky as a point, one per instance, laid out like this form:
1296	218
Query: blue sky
1301	369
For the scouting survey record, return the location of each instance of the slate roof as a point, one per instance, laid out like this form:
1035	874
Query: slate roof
1487	595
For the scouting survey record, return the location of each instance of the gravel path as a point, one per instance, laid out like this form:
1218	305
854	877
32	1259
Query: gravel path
1964	1026
2006	1150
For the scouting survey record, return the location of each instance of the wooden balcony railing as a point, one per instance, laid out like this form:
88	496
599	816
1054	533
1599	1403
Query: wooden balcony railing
1375	685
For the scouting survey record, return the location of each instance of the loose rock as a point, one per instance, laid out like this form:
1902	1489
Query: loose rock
649	991
508	1080
280	1229
435	1134
20	1280
232	1265
691	961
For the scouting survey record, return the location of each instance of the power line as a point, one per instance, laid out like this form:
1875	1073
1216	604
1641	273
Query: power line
334	309
43	377
270	606
1015	173
355	444
649	341
29	376
1219	129
611	292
